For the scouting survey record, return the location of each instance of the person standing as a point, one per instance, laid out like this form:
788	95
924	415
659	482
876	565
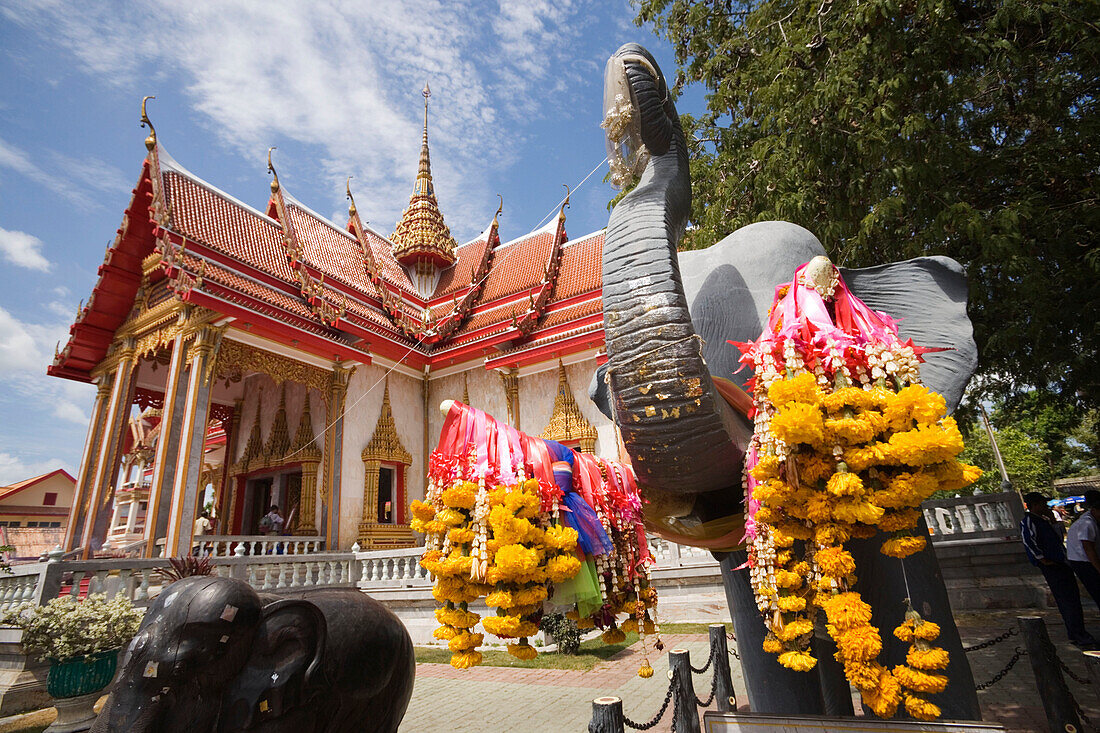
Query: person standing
1081	549
202	526
1043	545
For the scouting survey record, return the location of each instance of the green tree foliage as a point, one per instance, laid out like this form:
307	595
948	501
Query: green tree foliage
899	128
1026	461
1042	437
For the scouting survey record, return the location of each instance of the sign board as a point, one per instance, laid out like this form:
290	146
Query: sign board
764	723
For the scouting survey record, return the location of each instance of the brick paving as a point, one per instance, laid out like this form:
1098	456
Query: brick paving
503	700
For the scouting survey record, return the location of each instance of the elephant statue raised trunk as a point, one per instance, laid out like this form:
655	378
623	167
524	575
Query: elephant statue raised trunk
213	655
671	383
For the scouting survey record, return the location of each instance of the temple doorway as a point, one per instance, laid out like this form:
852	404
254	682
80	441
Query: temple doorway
282	489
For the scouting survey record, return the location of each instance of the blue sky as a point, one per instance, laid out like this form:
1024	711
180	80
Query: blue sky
516	97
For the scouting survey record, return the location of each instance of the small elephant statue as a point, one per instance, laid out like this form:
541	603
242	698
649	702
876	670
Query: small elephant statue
214	655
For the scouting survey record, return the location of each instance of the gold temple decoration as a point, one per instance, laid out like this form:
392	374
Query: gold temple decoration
567	424
384	447
278	440
305	450
151	141
466	389
236	359
421	234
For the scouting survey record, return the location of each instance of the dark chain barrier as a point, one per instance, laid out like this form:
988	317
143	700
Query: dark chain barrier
992	642
1000	675
1053	651
713	691
672	685
705	666
1070	673
733	652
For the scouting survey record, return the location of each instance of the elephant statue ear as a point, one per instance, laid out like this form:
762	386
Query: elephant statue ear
927	296
285	664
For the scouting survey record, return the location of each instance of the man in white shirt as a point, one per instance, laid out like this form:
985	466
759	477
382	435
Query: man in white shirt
1081	550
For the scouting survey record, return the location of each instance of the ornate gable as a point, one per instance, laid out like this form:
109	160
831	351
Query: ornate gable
567	424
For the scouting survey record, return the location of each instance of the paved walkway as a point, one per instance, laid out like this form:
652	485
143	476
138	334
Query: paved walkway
502	700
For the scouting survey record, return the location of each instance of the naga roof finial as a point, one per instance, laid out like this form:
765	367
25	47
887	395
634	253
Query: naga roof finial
151	141
351	206
271	170
500	210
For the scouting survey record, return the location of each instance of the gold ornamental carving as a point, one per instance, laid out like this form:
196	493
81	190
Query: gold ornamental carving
567	424
235	360
385	445
305	450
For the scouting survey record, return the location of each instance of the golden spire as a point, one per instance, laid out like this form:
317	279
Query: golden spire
422	234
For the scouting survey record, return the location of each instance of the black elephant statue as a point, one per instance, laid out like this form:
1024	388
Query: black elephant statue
213	655
670	381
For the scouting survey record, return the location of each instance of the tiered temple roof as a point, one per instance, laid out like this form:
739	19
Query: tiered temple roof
342	292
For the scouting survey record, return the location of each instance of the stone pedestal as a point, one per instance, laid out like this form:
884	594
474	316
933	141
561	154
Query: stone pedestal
74	713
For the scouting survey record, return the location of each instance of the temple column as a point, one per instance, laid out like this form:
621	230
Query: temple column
370	502
189	462
107	468
510	379
164	464
79	511
131	517
226	518
307	502
334	441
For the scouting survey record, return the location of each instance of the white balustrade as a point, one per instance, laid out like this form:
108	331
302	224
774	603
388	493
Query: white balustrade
981	518
227	545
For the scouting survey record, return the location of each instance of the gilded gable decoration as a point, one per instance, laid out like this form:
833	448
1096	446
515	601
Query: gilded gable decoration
567	424
384	447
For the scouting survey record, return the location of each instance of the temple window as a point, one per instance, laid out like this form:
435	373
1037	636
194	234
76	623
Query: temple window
49	499
385	495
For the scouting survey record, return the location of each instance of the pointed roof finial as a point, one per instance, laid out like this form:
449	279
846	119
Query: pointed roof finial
565	203
151	141
500	210
351	206
421	234
271	170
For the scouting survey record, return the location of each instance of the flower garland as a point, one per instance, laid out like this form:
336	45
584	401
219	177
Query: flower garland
846	443
497	516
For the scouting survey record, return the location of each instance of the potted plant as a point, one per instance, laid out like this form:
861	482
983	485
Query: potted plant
81	641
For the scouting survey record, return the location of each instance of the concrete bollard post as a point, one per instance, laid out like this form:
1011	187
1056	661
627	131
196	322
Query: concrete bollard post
724	695
607	716
687	714
1057	702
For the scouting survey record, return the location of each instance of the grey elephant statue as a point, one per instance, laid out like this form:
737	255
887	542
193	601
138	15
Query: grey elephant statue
213	655
670	381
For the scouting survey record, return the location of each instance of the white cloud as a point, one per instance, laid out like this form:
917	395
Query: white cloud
71	412
42	418
22	249
13	468
19	348
343	78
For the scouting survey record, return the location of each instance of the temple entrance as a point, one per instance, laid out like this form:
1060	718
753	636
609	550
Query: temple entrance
282	489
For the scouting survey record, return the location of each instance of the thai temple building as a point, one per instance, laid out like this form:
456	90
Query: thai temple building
276	357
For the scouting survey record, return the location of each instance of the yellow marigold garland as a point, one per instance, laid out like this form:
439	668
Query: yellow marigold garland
847	443
501	543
